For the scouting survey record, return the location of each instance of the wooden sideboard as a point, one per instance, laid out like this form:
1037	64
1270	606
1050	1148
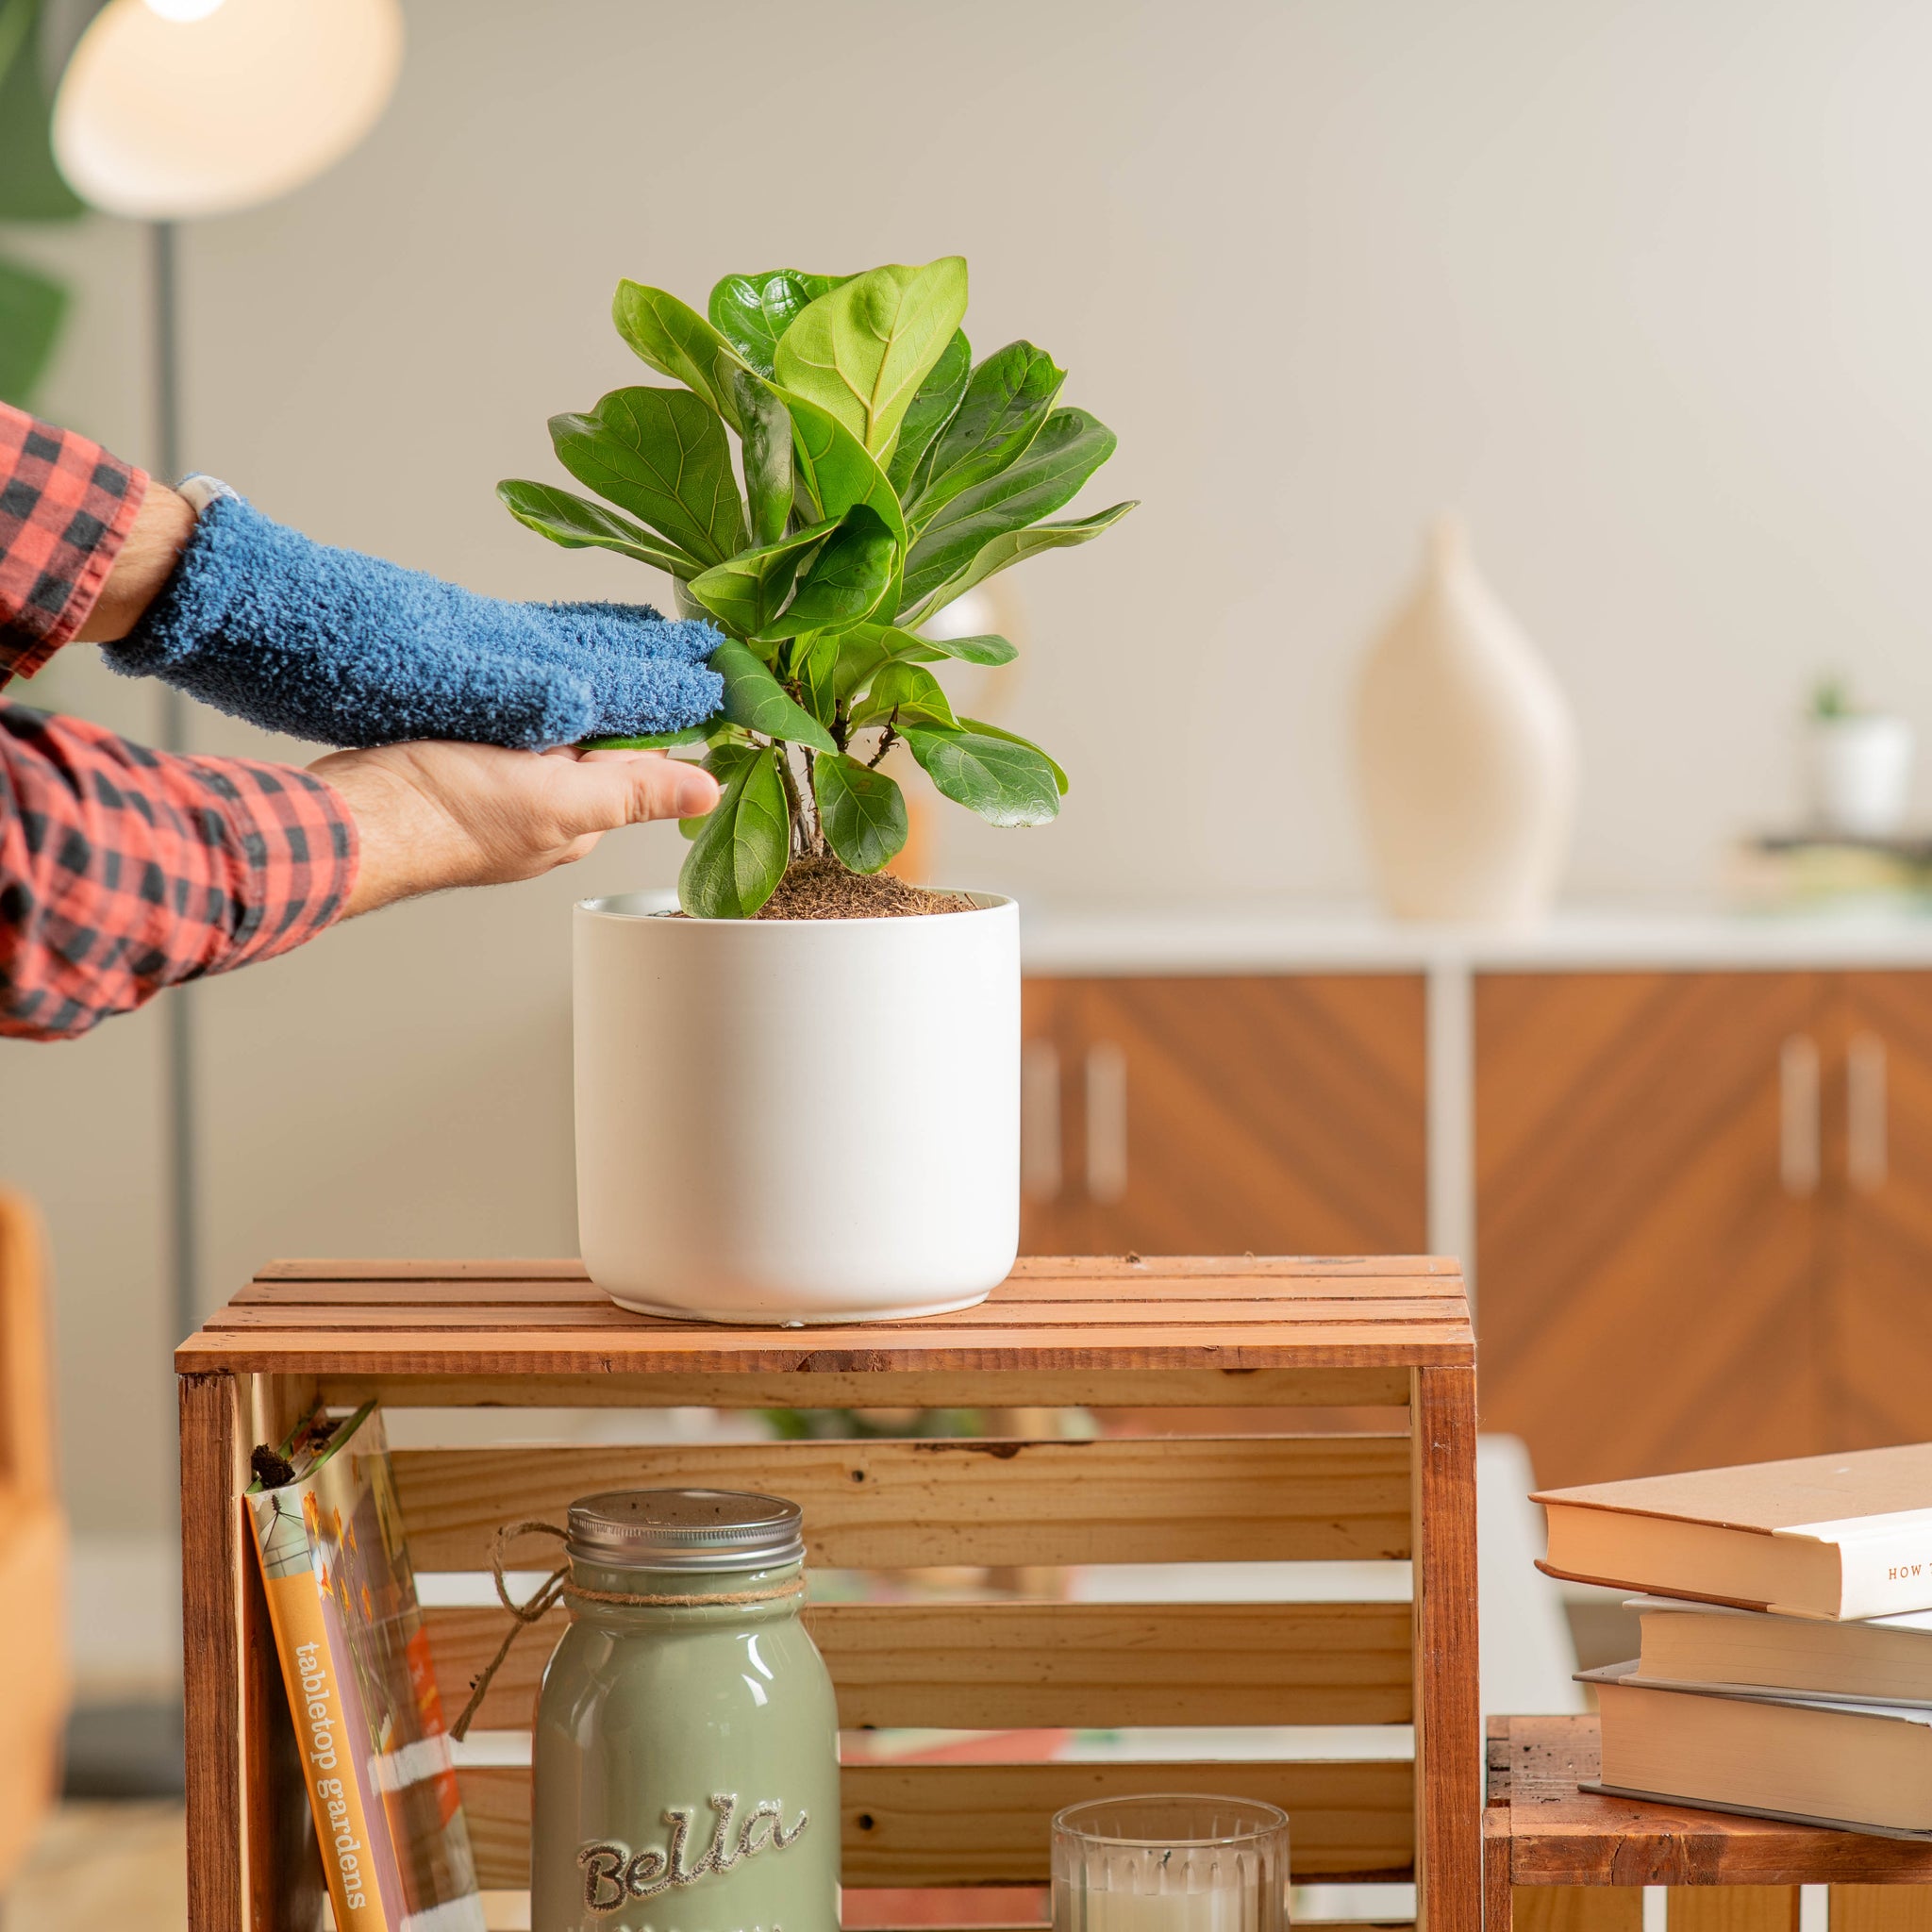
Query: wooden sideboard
1687	1164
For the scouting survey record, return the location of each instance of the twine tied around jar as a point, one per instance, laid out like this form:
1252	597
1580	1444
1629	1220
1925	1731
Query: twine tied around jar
558	1588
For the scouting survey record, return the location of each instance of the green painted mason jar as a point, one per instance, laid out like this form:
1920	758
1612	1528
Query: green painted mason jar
686	1759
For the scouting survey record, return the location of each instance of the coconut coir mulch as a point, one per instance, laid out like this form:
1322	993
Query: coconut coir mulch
823	888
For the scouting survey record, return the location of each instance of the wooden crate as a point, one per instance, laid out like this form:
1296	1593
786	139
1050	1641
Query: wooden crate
1382	1347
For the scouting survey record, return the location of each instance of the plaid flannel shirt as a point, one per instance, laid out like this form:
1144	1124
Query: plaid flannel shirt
123	869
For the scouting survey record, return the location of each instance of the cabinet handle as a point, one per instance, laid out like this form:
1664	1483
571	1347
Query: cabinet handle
1039	1121
1797	1083
1106	1121
1867	1154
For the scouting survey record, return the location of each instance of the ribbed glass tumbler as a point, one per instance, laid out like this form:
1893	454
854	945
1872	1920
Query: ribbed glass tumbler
1170	1863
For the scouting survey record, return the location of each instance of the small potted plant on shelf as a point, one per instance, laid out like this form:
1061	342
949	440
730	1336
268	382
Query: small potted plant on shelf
797	1088
1861	765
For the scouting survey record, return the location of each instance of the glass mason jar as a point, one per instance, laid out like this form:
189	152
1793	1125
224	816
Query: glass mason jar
686	1760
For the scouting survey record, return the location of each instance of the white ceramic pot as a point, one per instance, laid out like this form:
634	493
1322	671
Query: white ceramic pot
1861	772
1465	752
798	1119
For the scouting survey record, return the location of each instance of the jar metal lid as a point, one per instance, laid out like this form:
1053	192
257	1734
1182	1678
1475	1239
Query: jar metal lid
686	1529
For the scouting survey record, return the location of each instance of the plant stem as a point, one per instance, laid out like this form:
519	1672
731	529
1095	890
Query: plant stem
886	741
794	805
816	826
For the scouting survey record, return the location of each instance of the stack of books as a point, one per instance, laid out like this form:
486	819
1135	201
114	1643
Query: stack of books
1785	1658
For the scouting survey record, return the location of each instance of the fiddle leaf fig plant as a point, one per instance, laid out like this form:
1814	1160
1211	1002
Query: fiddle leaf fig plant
880	474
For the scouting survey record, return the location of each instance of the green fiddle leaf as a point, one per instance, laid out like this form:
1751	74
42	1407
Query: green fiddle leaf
1067	450
986	730
832	465
843	583
677	342
765	454
745	592
577	523
817	658
863	812
867	646
1006	406
655	740
904	694
1015	547
32	306
932	410
1007	784
32	189
757	701
980	650
751	312
745	841
662	455
863	350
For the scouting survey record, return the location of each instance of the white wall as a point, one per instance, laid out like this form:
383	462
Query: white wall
1642	288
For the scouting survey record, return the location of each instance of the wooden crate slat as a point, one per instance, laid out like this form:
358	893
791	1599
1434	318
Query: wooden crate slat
1028	1268
951	1824
1348	1387
663	1348
893	1505
1020	1317
1016	1666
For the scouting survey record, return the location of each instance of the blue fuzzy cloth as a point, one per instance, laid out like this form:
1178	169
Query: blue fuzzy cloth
331	646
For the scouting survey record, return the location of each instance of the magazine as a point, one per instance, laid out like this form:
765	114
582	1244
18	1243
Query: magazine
356	1660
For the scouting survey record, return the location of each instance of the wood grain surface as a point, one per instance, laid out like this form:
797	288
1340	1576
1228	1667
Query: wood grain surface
956	1825
1263	1114
1017	1666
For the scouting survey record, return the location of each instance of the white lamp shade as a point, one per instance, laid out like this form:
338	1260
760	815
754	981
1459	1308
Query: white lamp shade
165	118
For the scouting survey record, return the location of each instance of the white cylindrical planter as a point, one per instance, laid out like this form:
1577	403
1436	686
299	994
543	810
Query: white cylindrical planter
1862	775
798	1119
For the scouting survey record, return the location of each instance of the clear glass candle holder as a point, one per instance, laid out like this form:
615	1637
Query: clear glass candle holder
1171	1863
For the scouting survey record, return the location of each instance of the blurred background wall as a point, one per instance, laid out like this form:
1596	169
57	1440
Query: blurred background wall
1641	288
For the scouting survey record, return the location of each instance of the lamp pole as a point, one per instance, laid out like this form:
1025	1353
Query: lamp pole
182	1126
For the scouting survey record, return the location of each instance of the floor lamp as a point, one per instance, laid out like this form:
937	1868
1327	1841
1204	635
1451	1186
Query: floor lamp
172	110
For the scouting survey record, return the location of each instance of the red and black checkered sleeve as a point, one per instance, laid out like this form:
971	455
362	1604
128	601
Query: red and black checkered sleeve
123	869
66	506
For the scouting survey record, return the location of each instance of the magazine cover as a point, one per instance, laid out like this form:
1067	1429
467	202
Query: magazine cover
356	1660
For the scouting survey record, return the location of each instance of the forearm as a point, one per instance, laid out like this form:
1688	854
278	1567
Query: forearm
123	870
143	565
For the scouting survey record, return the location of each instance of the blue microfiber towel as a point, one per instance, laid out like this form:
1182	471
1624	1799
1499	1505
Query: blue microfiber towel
328	644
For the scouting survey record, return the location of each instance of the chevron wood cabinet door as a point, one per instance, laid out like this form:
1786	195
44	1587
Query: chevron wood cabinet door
1225	1114
1878	1206
1651	1217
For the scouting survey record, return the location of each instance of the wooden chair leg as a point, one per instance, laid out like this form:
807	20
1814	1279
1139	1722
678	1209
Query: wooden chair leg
1881	1908
1734	1908
1577	1908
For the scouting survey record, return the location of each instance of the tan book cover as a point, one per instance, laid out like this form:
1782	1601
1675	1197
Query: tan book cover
1818	1536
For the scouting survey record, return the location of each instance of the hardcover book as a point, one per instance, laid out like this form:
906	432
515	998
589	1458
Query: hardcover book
1878	1661
342	1596
1819	1536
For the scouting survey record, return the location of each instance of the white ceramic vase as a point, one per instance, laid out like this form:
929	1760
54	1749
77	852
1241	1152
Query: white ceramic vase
1862	775
1466	753
798	1119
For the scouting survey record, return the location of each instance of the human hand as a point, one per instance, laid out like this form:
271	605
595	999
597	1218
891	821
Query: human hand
433	815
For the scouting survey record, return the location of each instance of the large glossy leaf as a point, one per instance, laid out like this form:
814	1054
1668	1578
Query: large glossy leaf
861	350
863	812
1007	784
986	730
751	312
578	524
661	454
764	455
1067	450
817	660
677	342
32	306
652	740
932	409
745	592
736	861
1005	407
904	694
756	700
833	466
843	583
31	187
867	646
1011	549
